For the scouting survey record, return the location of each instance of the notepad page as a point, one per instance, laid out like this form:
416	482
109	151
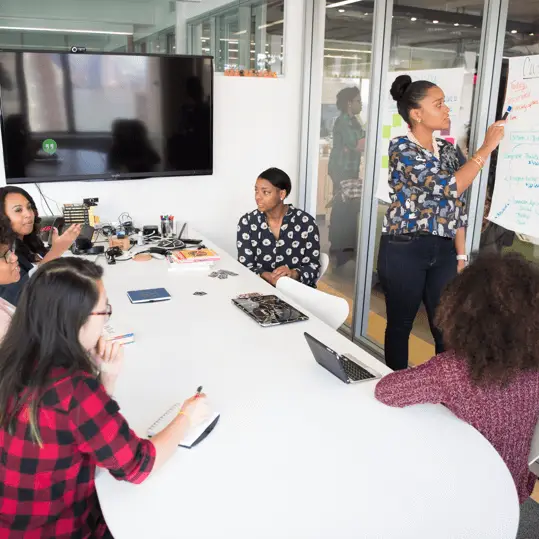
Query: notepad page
192	435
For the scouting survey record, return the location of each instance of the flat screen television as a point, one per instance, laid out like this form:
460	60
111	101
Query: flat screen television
80	116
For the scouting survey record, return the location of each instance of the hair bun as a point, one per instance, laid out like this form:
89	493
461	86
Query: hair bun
399	87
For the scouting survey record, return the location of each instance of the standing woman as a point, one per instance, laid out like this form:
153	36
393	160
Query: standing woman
423	236
343	168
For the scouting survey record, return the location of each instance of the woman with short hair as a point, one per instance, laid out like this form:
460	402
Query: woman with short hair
277	240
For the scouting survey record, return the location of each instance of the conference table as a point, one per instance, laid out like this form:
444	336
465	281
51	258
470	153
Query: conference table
296	454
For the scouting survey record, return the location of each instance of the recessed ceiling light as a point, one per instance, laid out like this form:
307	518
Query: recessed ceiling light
456	24
342	10
435	22
413	19
513	31
64	30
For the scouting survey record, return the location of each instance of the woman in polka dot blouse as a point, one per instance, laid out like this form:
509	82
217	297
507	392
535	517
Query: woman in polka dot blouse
277	240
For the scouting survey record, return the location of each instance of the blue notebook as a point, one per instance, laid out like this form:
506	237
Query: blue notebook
148	296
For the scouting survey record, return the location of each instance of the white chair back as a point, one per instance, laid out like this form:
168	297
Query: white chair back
324	264
330	309
533	459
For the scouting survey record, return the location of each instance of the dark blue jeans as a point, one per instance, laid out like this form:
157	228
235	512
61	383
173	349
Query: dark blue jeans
412	268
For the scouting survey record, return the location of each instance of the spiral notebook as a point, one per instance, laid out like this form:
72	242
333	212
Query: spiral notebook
194	435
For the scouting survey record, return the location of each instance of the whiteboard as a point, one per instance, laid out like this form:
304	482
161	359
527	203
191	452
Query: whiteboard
515	201
453	82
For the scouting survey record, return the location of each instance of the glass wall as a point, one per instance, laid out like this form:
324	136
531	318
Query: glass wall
434	42
341	160
243	35
455	45
520	46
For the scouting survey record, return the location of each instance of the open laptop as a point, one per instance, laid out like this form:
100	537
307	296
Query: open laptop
347	368
269	310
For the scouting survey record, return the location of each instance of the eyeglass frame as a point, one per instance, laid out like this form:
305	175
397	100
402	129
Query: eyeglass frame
107	313
7	254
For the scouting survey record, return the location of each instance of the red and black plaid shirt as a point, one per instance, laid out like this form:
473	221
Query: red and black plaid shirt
49	491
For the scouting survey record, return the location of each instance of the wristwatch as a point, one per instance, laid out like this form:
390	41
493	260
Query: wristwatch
462	257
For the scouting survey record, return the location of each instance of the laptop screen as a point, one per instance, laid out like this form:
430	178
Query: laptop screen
326	357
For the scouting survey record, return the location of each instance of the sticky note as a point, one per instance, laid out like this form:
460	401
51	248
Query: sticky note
397	120
386	131
385	161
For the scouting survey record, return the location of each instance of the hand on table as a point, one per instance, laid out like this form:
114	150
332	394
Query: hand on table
269	277
276	274
108	356
285	271
62	243
196	409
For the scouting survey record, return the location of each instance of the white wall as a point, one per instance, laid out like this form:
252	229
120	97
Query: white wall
256	125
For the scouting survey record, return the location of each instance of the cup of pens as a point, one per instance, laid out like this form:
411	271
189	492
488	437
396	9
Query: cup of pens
167	226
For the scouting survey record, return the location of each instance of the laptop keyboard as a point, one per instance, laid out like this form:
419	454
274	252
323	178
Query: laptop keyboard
355	372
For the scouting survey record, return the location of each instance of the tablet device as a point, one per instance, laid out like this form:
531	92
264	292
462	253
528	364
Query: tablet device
150	295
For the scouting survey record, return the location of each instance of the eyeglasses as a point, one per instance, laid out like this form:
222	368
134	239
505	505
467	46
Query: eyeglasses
107	313
7	255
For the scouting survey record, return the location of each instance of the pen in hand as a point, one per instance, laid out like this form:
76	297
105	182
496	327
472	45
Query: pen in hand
199	391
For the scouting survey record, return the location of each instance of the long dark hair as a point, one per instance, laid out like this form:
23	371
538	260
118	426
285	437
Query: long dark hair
44	334
489	315
31	245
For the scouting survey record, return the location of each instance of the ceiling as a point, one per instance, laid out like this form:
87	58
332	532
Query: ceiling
443	24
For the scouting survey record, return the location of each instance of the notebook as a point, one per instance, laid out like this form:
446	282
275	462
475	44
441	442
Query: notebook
194	435
192	256
148	296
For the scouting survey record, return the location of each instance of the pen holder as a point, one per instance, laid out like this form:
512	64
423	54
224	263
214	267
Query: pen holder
167	228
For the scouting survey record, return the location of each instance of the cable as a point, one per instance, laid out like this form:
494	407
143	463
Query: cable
43	198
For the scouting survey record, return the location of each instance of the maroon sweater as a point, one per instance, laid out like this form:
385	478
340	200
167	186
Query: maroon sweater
506	417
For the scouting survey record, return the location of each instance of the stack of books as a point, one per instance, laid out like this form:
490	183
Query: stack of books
192	259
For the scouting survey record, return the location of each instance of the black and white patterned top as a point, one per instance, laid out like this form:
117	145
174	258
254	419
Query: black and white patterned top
298	246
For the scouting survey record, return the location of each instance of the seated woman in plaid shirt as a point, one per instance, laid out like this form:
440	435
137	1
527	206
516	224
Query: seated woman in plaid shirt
57	418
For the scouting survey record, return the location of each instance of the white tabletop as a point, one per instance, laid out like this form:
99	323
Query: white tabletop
297	454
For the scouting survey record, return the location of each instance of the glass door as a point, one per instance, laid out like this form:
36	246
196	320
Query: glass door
429	41
344	104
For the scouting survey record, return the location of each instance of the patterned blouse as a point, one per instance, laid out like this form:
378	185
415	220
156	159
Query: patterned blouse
423	190
298	246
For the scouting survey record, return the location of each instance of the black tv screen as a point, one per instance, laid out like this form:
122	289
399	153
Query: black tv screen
80	116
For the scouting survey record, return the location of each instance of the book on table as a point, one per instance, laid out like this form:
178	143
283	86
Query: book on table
195	256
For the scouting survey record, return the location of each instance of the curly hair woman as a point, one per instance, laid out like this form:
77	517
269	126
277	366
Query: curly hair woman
490	378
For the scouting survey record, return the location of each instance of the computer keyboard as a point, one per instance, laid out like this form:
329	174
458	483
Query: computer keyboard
355	372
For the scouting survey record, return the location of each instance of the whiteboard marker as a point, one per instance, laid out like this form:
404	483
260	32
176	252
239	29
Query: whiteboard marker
509	109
